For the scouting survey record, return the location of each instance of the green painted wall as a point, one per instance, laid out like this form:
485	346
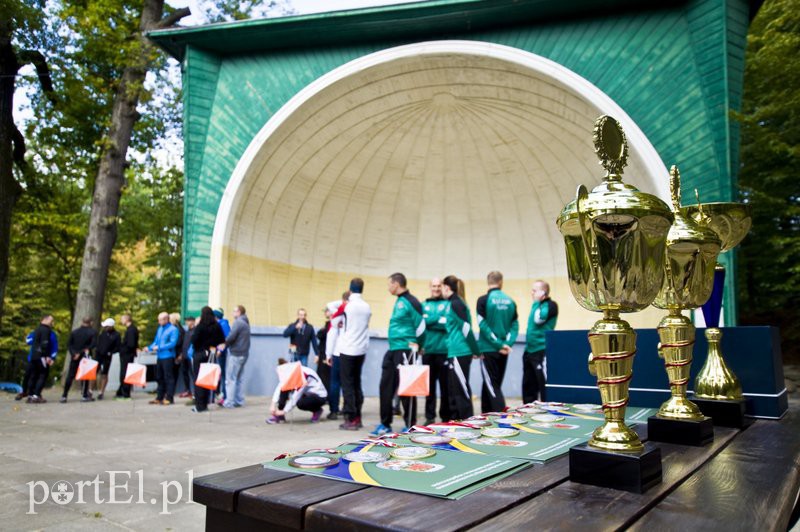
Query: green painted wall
675	71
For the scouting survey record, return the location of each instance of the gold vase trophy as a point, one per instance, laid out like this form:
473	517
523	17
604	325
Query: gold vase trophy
615	238
692	251
717	390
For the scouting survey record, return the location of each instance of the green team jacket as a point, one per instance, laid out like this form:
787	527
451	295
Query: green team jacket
460	340
497	320
406	324
435	314
542	319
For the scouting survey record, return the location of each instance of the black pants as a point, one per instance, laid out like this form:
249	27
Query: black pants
183	368
324	372
459	389
38	377
26	380
438	365
165	368
201	395
533	379
73	369
493	370
350	375
390	380
308	401
124	389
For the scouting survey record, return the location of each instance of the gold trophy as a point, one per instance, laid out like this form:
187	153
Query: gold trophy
615	238
717	391
692	252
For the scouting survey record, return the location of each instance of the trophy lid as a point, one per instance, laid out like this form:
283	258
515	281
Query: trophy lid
685	229
613	199
615	235
692	251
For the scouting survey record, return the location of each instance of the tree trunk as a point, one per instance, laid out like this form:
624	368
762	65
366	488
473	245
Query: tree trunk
111	174
10	190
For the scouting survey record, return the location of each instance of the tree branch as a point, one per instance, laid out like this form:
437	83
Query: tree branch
36	58
174	17
18	152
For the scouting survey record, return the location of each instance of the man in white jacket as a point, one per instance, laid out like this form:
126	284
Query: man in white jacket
352	344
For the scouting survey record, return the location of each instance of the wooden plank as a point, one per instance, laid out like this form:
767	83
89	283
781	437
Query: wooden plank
219	491
219	521
379	508
751	485
284	503
571	505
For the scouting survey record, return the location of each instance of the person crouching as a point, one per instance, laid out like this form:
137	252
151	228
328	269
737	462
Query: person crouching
310	397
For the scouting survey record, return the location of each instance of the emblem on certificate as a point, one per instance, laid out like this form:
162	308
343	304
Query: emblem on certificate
313	461
411	453
413	466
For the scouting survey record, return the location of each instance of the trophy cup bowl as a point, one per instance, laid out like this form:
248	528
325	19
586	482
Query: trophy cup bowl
615	238
731	222
691	256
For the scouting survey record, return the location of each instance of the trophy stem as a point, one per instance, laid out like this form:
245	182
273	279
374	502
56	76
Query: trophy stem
677	334
715	381
613	344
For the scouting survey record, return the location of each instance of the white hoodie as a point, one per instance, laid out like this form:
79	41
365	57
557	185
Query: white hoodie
353	337
313	386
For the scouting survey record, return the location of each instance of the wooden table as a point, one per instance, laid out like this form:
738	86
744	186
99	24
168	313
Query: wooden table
745	480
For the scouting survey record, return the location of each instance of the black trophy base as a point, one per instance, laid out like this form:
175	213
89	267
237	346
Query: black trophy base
682	432
634	472
725	412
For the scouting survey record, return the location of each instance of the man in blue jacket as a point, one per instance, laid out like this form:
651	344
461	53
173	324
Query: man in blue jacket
42	354
164	347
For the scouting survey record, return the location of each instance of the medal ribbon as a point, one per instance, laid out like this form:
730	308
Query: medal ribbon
287	455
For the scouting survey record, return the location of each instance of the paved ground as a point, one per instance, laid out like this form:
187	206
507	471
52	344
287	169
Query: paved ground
78	441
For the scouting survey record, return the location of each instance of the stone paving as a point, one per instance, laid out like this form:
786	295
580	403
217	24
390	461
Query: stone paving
77	441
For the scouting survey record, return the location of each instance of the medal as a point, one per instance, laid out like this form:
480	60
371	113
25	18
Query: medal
547	418
586	407
365	456
511	421
429	439
499	432
313	461
411	453
530	410
478	423
461	434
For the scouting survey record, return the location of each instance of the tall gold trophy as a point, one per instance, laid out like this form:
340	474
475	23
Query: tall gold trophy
717	390
692	252
615	238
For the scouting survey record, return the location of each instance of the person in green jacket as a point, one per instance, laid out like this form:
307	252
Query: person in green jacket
434	311
406	333
461	347
544	314
499	326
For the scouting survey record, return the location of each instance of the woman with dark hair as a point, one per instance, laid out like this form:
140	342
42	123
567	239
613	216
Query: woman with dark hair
205	339
461	347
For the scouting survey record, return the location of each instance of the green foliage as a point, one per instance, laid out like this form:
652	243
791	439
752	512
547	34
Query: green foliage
229	10
770	256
